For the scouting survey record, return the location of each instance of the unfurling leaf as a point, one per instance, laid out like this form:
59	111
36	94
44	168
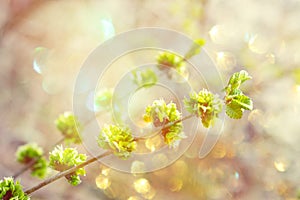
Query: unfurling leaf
33	153
11	190
205	105
162	114
195	49
62	159
118	139
236	102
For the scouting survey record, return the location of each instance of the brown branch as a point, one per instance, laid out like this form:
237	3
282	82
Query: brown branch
65	173
25	168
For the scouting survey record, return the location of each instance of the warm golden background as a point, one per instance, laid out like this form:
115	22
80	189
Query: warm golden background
44	43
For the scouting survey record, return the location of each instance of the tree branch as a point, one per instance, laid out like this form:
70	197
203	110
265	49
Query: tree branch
65	173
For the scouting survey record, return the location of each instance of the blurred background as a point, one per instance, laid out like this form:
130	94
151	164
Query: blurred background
44	43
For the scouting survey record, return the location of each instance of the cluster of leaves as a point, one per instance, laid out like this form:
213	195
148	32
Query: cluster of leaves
29	153
145	78
166	60
118	139
236	102
61	159
11	190
70	127
205	105
162	114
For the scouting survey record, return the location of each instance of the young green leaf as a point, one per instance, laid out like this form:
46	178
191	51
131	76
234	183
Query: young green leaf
118	139
236	80
11	190
32	152
161	114
234	111
70	127
145	78
62	159
167	61
205	105
236	102
195	49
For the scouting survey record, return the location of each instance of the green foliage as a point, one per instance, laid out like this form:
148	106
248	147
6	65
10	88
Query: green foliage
70	127
195	49
170	60
236	102
40	168
118	139
167	60
146	78
62	159
205	105
32	152
11	190
161	114
103	100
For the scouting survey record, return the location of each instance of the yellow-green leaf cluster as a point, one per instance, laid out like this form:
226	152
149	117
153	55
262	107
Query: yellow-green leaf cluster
11	190
62	159
70	127
145	78
33	153
167	60
118	139
236	102
205	105
162	114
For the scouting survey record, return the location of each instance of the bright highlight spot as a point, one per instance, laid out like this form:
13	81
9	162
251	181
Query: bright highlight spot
226	60
236	175
137	167
105	171
298	88
107	28
102	182
258	44
40	57
280	166
214	32
153	143
142	186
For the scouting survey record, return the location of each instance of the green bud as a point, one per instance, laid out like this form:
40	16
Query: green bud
62	159
11	190
118	139
205	105
70	127
162	114
32	152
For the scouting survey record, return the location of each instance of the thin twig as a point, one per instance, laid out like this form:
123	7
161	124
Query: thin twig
25	168
65	173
